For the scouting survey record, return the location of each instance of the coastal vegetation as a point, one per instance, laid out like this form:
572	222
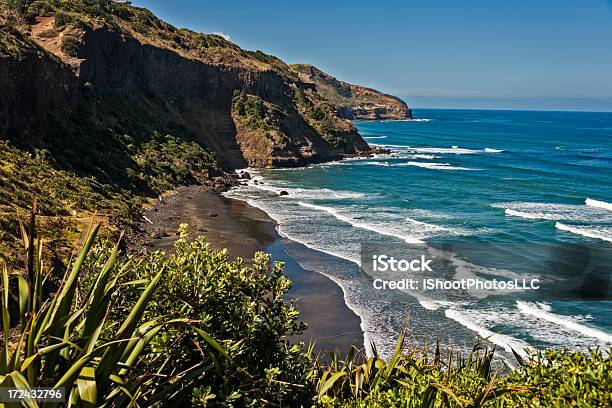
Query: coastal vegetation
193	326
69	196
198	328
106	132
257	114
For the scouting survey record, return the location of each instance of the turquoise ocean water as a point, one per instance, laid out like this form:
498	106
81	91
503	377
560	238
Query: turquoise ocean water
523	187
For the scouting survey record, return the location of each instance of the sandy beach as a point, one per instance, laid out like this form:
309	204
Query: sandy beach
233	224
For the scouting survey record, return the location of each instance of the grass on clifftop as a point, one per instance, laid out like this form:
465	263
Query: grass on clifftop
145	26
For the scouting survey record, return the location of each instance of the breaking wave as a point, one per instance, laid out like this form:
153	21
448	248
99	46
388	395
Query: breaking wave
379	229
598	204
555	212
439	150
543	312
595	232
435	166
507	342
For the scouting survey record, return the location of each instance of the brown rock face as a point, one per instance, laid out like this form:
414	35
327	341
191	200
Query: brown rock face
354	101
166	92
122	82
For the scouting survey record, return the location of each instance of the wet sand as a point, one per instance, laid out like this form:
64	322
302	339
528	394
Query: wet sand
233	224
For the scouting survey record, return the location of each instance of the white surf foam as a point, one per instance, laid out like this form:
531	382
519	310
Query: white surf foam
507	342
375	137
423	156
435	166
540	332
403	120
596	232
359	224
439	150
556	212
399	155
531	216
310	245
421	213
452	150
598	204
455	150
543	312
431	304
307	193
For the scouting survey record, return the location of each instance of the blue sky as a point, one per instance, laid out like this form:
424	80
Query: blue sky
538	54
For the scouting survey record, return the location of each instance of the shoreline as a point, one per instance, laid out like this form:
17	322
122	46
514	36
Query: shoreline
243	230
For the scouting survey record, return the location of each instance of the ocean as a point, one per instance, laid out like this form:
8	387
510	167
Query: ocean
510	194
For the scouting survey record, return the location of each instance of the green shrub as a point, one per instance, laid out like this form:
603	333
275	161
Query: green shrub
257	114
19	8
61	193
165	162
65	341
240	305
124	330
70	45
40	8
418	379
62	19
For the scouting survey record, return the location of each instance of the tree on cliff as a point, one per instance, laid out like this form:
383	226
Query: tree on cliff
18	8
25	10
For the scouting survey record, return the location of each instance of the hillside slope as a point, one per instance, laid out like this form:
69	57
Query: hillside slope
353	101
116	70
107	96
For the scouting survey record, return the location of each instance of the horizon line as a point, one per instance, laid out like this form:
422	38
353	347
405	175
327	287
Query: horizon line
516	110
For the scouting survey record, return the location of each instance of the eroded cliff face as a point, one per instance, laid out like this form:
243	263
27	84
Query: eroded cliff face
34	85
116	82
354	101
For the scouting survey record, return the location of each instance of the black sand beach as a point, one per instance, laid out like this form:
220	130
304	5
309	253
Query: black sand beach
243	229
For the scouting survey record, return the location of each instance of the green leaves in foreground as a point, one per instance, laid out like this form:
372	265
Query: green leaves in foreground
66	340
414	379
120	331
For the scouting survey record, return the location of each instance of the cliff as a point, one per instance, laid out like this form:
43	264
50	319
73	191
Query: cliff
80	80
353	101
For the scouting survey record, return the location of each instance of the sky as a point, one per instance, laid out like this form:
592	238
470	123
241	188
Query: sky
490	54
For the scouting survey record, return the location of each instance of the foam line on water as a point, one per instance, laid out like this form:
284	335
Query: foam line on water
507	342
358	224
282	232
565	321
403	120
397	155
598	204
602	233
439	150
307	193
530	216
555	212
435	166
